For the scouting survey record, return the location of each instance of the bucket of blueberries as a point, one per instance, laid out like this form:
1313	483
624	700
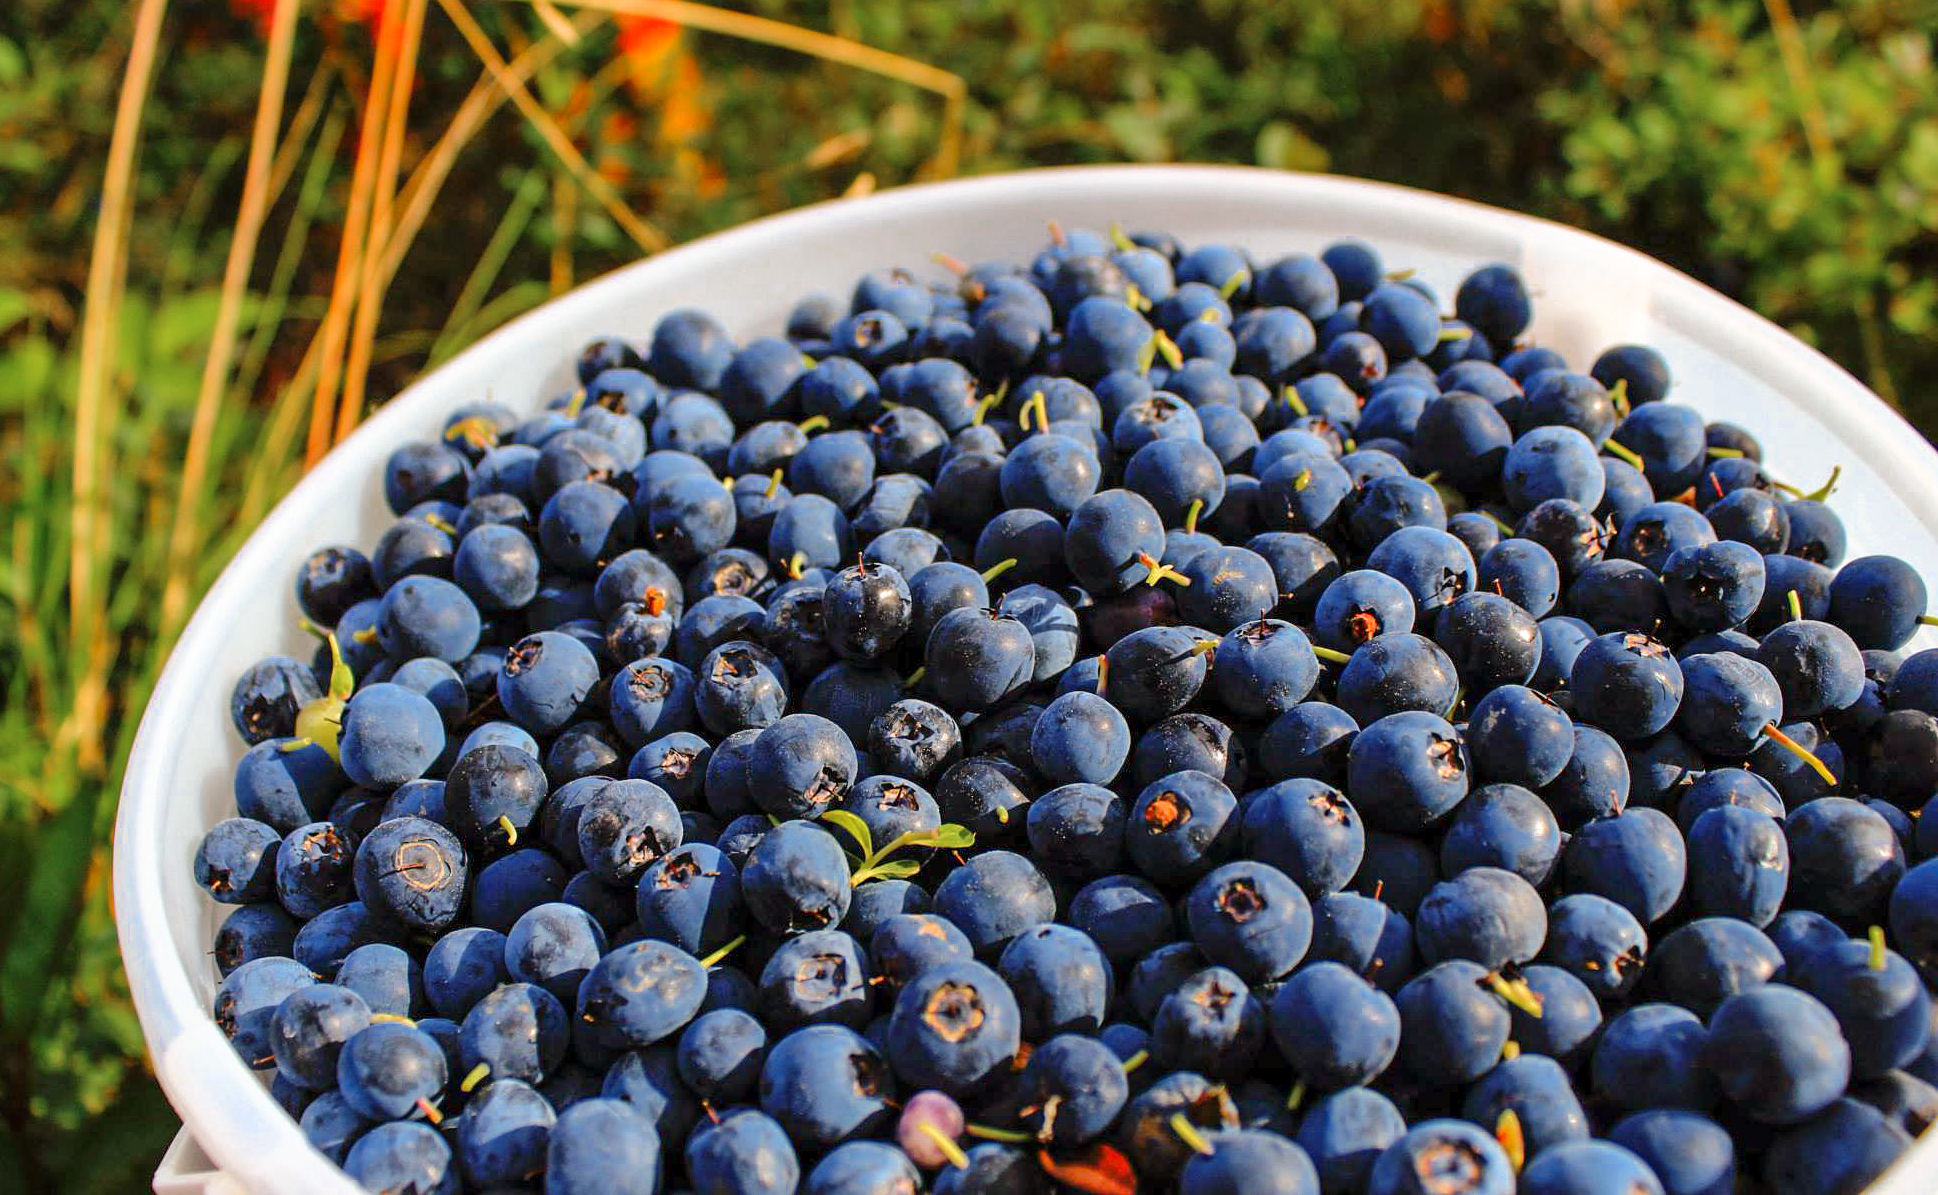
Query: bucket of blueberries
1171	680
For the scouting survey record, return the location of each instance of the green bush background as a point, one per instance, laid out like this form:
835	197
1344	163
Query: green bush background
1792	165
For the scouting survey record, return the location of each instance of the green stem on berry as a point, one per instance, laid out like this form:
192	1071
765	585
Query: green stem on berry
1136	1060
1877	948
477	1075
1622	451
511	831
774	485
1725	454
1618	396
814	423
1232	284
1191	516
1289	395
1510	1050
1330	656
1117	237
1295	1097
1796	606
998	569
1824	491
983	407
990	1133
713	960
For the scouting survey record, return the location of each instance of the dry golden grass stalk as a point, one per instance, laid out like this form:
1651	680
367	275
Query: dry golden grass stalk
556	21
484	99
825	46
335	331
371	283
89	547
648	237
254	206
301	125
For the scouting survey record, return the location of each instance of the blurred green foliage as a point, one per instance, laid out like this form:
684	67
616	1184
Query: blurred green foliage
1680	128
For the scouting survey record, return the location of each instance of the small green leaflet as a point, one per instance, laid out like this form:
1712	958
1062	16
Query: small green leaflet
856	828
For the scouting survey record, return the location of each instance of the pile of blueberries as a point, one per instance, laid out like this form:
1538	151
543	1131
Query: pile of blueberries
1141	721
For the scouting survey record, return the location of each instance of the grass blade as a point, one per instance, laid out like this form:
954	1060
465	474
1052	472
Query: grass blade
222	341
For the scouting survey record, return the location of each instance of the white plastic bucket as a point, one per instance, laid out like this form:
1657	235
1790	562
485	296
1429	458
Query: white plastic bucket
1589	293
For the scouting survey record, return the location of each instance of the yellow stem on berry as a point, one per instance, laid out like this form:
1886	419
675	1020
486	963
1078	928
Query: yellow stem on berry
1517	993
1159	571
1169	350
1507	1131
946	1144
1801	752
1189	1134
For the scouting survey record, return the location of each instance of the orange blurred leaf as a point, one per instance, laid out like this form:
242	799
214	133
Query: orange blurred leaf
1099	1170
